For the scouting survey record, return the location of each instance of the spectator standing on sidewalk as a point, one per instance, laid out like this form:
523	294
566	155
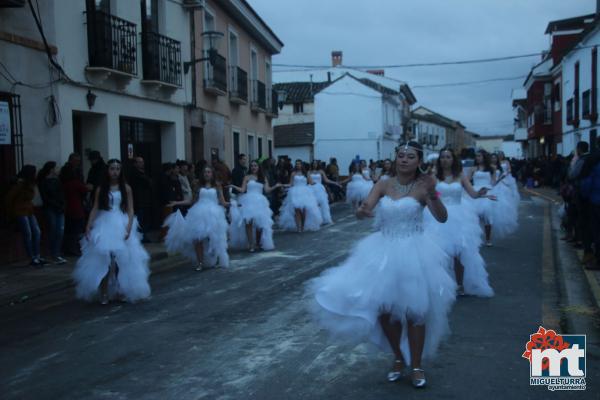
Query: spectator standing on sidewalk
19	203
97	170
590	190
182	175
143	193
583	227
239	172
75	192
53	197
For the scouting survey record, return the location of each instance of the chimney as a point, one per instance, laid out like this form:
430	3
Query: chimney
336	57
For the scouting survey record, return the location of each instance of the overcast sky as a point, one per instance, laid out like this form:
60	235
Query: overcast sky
381	32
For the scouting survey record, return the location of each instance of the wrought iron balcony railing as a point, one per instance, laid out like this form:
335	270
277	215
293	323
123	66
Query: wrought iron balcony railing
161	58
112	42
238	85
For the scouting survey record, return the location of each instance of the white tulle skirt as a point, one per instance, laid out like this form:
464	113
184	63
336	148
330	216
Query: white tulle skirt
106	240
358	190
407	277
460	237
300	197
251	208
323	200
205	222
505	213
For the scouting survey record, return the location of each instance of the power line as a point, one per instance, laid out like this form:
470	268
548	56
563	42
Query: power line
466	83
428	64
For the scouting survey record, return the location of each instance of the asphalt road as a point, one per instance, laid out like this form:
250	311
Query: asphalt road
244	333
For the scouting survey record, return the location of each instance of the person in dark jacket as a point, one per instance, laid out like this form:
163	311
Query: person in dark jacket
75	192
590	190
19	204
143	193
239	171
53	197
97	171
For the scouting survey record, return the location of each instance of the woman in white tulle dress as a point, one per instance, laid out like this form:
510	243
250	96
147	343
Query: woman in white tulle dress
506	211
386	169
359	184
113	262
254	214
483	177
300	210
318	177
509	180
460	236
202	235
396	283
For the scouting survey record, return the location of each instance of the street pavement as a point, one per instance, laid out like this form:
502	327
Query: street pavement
244	332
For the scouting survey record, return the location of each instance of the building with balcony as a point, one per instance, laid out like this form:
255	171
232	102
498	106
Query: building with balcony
545	88
580	90
101	75
519	104
435	131
233	98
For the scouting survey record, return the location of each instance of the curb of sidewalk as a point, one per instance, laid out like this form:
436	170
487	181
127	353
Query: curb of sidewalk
160	262
593	282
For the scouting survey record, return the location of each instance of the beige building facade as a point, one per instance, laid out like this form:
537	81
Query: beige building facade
233	99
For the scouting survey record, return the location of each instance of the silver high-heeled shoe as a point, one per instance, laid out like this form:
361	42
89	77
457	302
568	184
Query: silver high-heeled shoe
418	382
395	375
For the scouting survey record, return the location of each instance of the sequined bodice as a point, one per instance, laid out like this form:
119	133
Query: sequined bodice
208	195
316	178
299	180
451	193
482	179
114	200
400	218
254	187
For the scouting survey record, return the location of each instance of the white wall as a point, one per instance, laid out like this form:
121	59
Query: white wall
298	152
348	121
512	149
287	116
572	135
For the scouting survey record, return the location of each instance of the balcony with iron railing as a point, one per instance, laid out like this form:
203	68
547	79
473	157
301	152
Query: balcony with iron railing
273	109
215	76
112	44
238	85
161	59
258	96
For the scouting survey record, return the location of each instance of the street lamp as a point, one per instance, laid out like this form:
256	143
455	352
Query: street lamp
213	39
281	97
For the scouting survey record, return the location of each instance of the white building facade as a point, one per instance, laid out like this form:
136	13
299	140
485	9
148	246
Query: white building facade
355	117
579	92
121	91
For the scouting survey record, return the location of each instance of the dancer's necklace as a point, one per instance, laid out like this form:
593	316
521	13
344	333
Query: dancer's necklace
403	189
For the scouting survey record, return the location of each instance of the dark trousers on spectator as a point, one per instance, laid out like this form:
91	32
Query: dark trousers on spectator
144	217
595	225
56	230
30	230
583	228
74	229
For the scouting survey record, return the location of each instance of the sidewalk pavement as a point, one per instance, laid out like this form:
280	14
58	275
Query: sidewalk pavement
592	276
20	282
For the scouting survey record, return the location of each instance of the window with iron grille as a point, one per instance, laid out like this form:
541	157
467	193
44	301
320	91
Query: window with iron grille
569	111
585	104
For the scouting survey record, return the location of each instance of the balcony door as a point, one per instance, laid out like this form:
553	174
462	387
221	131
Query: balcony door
210	24
233	61
254	75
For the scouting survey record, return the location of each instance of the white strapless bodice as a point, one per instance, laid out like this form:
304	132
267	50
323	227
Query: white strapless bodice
357	178
400	218
316	178
299	180
254	187
482	179
451	193
208	195
366	173
114	200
